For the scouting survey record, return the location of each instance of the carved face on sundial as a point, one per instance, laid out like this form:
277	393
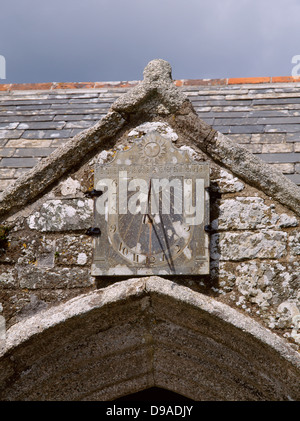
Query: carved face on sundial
152	211
152	149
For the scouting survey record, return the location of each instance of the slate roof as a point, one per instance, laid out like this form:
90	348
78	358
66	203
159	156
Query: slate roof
261	114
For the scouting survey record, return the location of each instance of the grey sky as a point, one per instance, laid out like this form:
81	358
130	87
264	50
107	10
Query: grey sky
111	40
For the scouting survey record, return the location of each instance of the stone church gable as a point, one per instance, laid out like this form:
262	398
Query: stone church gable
251	292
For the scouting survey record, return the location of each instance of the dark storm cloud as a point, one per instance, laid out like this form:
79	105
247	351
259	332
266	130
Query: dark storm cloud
98	40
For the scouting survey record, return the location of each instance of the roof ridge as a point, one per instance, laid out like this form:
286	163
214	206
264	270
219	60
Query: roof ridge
49	86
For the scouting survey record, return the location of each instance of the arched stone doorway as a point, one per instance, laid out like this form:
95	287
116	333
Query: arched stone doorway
145	333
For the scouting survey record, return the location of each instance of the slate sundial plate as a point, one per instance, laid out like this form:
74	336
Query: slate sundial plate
152	211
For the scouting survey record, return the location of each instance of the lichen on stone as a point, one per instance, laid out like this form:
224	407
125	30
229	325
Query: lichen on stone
161	127
227	183
69	187
243	245
62	215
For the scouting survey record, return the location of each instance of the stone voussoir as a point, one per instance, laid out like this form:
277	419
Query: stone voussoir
150	297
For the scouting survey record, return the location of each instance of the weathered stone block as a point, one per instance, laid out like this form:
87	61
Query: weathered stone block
8	278
254	282
227	183
73	250
294	243
268	283
286	221
45	260
248	245
63	215
69	186
244	213
33	277
224	273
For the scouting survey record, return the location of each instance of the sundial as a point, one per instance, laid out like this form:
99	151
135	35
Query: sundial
152	211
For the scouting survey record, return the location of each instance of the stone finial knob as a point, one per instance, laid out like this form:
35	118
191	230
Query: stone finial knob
158	69
156	92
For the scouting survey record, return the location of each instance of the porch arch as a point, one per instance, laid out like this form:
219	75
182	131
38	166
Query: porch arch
143	333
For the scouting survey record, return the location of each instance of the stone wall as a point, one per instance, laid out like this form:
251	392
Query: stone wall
255	254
